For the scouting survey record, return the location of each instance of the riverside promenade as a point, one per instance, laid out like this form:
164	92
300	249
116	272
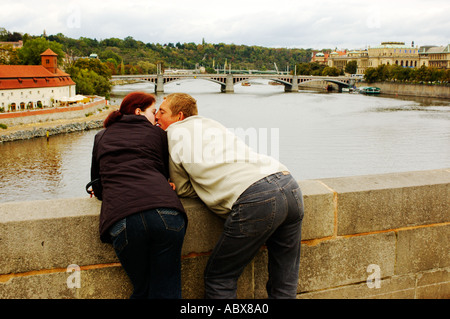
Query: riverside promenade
37	123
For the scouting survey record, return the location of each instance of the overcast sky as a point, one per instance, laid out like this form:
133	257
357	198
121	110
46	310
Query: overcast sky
316	24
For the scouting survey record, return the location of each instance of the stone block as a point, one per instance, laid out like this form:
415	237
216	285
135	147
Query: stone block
388	201
204	227
193	286
261	274
51	234
192	283
319	207
41	286
101	283
344	261
434	284
398	287
423	249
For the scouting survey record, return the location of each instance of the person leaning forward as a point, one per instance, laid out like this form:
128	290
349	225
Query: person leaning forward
141	215
256	194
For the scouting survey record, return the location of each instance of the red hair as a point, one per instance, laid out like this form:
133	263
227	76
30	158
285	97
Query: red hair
131	102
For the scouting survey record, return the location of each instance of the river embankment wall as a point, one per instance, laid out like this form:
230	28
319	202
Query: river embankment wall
390	88
406	89
48	122
34	131
51	114
376	236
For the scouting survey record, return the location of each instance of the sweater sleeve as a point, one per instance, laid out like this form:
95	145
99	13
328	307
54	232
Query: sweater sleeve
181	179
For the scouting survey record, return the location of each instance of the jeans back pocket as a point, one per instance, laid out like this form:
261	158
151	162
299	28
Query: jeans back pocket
257	218
118	233
172	219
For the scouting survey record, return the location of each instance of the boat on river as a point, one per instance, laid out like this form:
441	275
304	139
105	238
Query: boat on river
349	90
369	90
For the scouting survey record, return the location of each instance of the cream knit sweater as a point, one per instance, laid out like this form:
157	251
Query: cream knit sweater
209	161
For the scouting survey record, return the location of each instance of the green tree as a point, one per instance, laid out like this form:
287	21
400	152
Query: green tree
351	67
110	54
95	65
91	77
446	76
147	67
331	71
8	55
30	53
371	75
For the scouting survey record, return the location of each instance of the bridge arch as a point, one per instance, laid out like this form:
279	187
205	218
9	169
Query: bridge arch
341	84
218	80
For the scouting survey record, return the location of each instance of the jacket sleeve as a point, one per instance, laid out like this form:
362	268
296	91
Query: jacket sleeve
165	153
95	171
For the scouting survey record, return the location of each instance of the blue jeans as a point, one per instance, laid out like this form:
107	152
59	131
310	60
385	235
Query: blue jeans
148	245
269	212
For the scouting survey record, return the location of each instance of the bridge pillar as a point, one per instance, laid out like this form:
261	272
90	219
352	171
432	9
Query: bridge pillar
229	85
293	87
159	85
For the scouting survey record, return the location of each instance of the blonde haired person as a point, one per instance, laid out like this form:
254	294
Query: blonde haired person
256	194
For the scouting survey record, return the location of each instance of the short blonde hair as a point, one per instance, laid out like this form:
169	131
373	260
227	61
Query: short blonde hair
182	102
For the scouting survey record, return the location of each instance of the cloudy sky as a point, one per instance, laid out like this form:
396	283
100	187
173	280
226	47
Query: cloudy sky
317	24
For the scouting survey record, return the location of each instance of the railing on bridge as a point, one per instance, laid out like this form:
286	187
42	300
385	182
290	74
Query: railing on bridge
227	81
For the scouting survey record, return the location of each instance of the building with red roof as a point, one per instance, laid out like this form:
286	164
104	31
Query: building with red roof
34	86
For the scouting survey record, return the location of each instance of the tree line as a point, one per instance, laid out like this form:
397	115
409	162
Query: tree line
422	75
130	56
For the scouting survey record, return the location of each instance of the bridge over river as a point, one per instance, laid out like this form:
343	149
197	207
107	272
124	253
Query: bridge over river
227	81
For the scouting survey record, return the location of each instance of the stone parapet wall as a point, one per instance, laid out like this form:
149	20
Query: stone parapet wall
407	89
378	236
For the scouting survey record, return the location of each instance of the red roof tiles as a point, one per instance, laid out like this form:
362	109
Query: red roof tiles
49	52
31	76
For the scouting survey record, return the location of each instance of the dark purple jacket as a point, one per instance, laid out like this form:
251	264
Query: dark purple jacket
131	158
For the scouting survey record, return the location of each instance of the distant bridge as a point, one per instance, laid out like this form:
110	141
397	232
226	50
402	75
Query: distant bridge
227	81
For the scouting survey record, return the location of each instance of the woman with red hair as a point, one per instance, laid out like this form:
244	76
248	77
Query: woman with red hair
141	215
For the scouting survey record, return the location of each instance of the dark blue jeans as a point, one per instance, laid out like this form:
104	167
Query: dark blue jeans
148	245
269	212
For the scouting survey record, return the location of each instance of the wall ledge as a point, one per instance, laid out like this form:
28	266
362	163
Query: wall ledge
398	223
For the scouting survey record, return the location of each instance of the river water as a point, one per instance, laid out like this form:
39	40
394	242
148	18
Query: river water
316	135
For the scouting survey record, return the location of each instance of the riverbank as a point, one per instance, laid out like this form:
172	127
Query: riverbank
391	88
407	89
60	126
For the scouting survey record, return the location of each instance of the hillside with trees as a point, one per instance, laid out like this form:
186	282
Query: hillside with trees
129	56
132	56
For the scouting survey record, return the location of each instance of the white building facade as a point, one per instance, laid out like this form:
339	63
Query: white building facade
25	87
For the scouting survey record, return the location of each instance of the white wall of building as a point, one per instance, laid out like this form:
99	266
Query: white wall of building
48	96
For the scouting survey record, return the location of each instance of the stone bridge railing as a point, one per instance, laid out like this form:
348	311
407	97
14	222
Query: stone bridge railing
379	236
